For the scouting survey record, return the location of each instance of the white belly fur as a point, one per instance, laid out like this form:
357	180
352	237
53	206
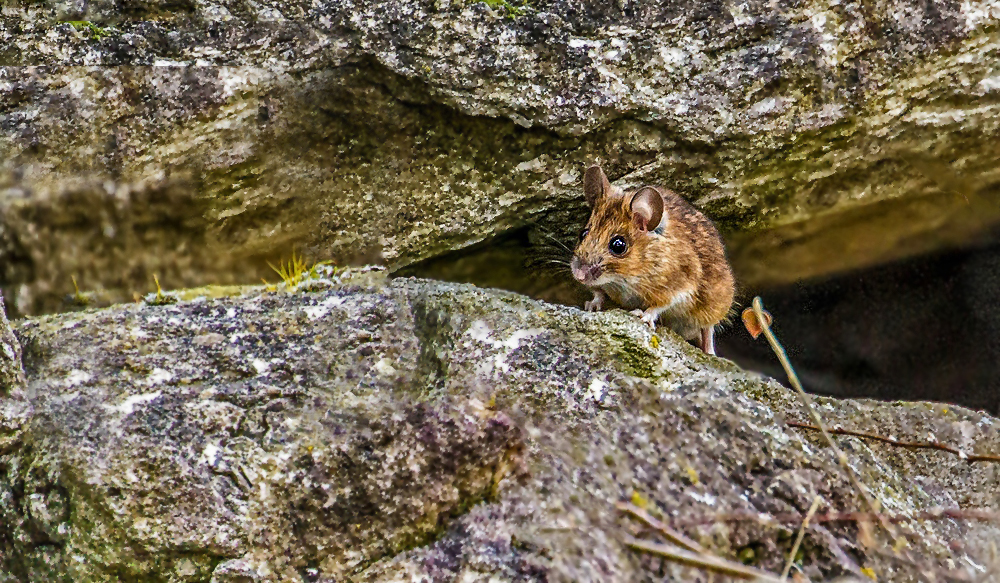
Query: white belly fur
672	315
675	316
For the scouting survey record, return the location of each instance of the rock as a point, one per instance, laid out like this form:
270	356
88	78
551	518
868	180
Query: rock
234	571
412	430
197	140
11	369
14	407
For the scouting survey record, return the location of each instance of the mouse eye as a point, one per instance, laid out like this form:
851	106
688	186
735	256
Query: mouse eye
618	246
583	234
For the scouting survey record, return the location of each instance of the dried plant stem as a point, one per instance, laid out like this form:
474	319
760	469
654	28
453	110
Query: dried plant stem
670	534
976	514
971	458
798	539
706	562
779	351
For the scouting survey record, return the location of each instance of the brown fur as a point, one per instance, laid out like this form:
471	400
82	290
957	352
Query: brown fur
684	271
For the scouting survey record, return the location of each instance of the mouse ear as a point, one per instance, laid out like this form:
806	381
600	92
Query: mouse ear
595	185
647	208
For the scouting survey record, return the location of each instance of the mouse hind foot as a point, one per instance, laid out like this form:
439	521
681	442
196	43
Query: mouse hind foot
707	342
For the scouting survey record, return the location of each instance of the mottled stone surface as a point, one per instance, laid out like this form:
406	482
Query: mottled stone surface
197	139
412	430
15	409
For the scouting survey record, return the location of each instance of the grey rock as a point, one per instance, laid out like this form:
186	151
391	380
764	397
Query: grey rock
196	140
413	430
14	407
235	571
11	368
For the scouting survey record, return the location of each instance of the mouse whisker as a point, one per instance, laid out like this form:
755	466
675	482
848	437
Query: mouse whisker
554	239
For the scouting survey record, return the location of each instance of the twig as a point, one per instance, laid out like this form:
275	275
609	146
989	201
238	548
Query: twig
798	539
976	514
758	308
707	562
670	534
971	458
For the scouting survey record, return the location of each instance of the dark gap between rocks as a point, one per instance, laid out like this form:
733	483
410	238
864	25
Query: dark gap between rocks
923	329
532	261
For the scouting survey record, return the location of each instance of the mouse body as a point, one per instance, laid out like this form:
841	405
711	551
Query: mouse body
653	253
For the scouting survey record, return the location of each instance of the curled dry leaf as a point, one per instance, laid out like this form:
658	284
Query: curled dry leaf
753	324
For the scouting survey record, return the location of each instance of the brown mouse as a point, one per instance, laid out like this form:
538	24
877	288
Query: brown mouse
653	253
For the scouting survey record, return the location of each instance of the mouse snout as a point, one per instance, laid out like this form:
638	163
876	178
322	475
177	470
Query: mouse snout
584	272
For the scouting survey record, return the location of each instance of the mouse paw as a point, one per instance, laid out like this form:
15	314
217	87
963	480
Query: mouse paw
649	318
595	304
637	313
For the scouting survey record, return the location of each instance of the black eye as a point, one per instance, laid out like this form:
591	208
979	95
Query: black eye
583	234
618	246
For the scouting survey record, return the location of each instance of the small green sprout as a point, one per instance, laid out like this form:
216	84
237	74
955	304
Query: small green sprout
160	298
78	297
291	272
92	30
298	276
511	8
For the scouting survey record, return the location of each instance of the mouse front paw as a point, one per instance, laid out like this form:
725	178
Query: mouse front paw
595	304
649	318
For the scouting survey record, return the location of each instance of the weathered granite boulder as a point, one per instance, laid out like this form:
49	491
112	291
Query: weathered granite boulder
196	139
418	431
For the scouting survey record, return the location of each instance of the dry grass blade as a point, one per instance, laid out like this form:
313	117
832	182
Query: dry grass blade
670	534
971	458
779	351
798	539
970	514
706	562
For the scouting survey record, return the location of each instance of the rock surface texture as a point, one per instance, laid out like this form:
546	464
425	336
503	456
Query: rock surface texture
416	431
195	139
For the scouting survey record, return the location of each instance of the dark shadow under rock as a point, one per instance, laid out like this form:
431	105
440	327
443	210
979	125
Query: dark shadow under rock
923	329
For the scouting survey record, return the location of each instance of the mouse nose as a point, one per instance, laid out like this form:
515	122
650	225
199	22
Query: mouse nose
585	272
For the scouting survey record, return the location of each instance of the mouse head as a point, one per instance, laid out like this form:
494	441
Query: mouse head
615	239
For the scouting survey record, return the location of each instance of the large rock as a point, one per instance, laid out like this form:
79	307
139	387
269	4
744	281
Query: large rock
197	139
410	430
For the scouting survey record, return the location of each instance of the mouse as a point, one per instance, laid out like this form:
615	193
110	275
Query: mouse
654	254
